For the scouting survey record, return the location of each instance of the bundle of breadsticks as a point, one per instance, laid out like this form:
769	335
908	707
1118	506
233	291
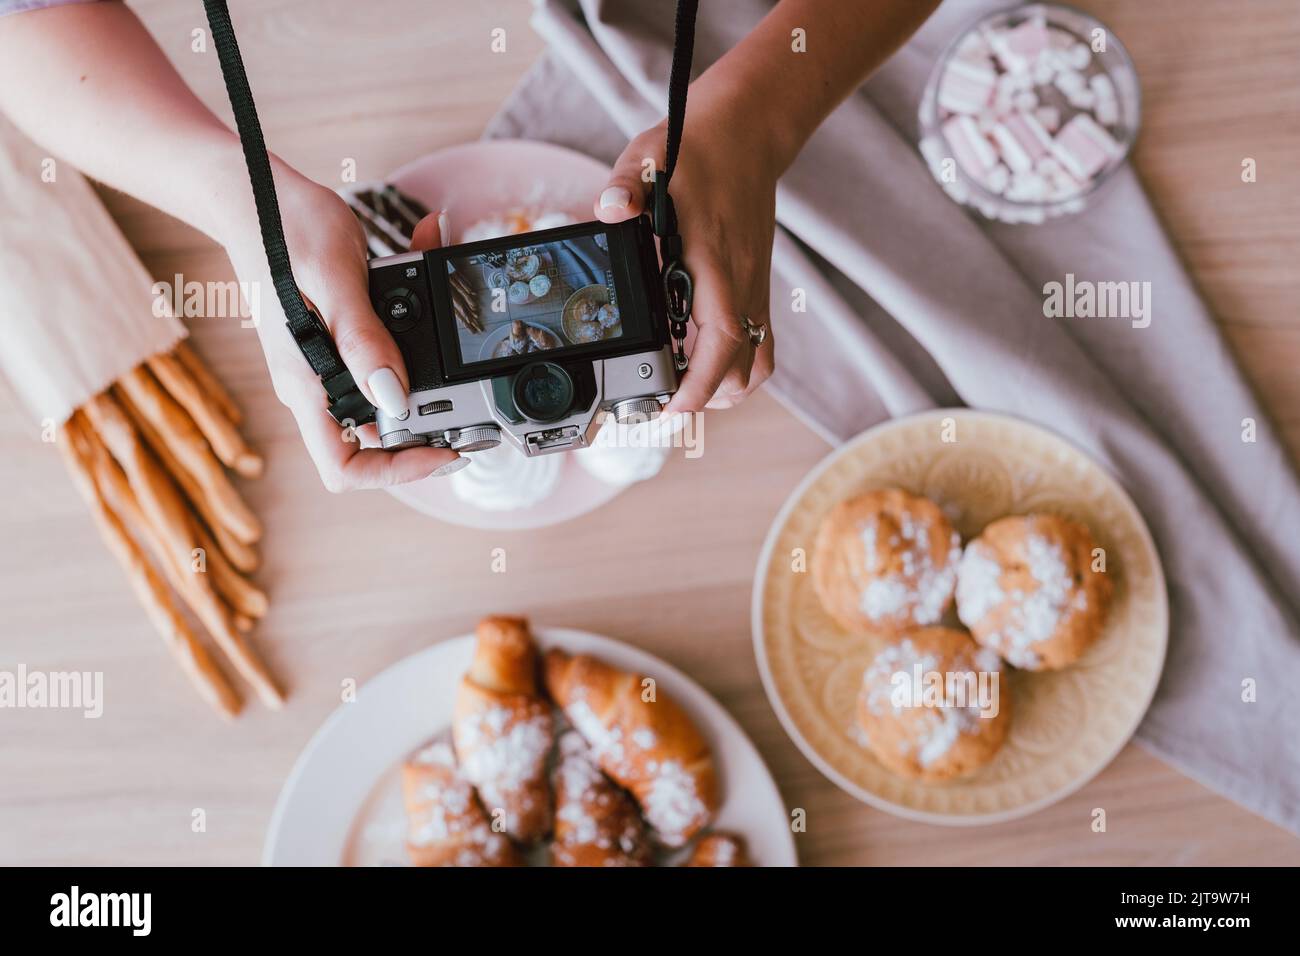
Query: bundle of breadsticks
146	429
150	456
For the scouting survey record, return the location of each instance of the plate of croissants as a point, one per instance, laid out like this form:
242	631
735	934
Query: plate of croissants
523	747
518	338
960	617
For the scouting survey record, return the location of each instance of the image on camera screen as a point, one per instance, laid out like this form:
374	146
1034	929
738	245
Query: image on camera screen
534	298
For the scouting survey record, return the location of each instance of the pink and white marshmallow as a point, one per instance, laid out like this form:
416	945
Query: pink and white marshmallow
1085	148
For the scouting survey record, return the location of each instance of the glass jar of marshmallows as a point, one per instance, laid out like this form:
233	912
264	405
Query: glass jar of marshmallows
1029	112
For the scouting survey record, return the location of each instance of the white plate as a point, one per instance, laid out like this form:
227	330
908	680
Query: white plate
340	804
473	182
500	334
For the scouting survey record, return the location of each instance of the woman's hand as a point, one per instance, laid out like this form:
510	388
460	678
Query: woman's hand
747	117
725	197
328	252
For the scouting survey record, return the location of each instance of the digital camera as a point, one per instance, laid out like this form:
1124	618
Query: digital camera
527	337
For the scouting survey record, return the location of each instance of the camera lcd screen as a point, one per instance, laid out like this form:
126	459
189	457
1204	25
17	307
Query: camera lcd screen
510	302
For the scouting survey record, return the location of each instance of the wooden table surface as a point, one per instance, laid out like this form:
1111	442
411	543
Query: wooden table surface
358	582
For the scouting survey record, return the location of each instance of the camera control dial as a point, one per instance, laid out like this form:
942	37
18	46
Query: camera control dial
636	410
476	438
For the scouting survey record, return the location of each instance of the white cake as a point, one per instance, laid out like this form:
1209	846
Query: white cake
503	479
623	454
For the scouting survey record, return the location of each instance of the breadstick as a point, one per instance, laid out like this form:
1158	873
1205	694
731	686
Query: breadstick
146	478
209	383
150	590
244	599
116	491
242	556
190	448
161	502
220	431
115	487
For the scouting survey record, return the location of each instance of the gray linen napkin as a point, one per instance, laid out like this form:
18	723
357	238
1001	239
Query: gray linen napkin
919	305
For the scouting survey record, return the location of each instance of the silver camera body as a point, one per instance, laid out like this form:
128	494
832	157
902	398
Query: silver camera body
527	339
465	417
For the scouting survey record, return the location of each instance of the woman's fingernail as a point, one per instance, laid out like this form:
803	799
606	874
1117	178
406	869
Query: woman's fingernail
615	197
387	389
444	227
453	466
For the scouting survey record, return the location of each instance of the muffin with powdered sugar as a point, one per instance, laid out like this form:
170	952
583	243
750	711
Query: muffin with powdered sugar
934	705
886	561
1035	589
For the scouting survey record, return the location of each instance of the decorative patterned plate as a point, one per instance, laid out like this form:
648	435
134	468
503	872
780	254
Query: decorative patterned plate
1066	725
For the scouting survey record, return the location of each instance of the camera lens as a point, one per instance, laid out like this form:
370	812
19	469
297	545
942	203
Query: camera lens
543	392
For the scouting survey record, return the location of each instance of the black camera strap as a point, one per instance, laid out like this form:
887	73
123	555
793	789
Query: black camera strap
346	403
678	291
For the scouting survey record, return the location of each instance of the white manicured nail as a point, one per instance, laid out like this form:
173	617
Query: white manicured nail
453	466
444	227
615	197
387	389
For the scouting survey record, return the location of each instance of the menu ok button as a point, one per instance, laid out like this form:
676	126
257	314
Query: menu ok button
400	310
